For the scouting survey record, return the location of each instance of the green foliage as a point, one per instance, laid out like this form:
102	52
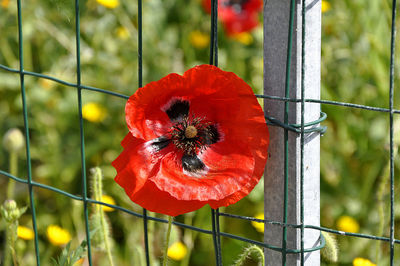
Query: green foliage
330	252
98	220
251	251
69	257
354	150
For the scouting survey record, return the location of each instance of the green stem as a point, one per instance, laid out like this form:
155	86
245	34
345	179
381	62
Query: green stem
167	241
252	249
98	193
14	172
11	233
14	256
7	249
106	240
7	53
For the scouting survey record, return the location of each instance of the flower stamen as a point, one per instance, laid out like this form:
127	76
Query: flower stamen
192	135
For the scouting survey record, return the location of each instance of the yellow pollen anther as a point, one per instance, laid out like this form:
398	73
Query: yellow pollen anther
190	132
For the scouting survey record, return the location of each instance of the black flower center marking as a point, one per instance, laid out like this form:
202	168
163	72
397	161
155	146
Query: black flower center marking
191	135
237	5
192	163
160	143
178	110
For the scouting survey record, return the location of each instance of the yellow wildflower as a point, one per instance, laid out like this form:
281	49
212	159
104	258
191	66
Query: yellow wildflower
109	200
177	251
244	38
257	225
5	3
93	112
362	262
46	83
199	39
25	233
57	235
347	224
79	262
325	6
109	3
123	33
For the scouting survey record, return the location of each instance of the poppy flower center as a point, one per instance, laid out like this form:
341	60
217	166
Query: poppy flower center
190	132
193	135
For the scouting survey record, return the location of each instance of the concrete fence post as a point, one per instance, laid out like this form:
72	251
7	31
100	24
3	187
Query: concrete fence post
276	24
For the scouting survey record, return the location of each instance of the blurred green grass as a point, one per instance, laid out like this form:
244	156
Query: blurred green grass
354	151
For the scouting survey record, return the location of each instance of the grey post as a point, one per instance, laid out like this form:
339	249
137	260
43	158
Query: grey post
276	21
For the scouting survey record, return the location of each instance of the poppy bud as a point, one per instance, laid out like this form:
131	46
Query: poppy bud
10	211
13	140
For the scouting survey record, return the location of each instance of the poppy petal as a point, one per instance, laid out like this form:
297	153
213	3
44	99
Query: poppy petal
237	20
144	110
161	174
135	164
223	176
235	23
153	199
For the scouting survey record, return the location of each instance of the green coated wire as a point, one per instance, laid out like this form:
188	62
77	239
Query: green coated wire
276	98
81	131
140	84
302	125
26	128
213	60
261	244
391	96
319	101
286	132
299	128
69	84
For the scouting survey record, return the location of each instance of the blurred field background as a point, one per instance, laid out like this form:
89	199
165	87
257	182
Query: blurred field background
354	150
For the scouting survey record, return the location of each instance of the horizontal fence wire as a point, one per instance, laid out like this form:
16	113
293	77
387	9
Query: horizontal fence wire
270	97
301	129
228	215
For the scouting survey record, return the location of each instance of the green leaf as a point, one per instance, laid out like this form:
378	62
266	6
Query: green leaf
67	257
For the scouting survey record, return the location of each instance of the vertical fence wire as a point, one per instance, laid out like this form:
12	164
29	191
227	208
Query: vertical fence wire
140	84
286	131
81	131
303	55
26	129
214	61
391	97
214	213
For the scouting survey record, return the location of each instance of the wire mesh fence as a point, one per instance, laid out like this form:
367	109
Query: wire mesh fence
215	215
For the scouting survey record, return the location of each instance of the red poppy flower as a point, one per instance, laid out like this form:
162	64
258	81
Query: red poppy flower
237	16
195	139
